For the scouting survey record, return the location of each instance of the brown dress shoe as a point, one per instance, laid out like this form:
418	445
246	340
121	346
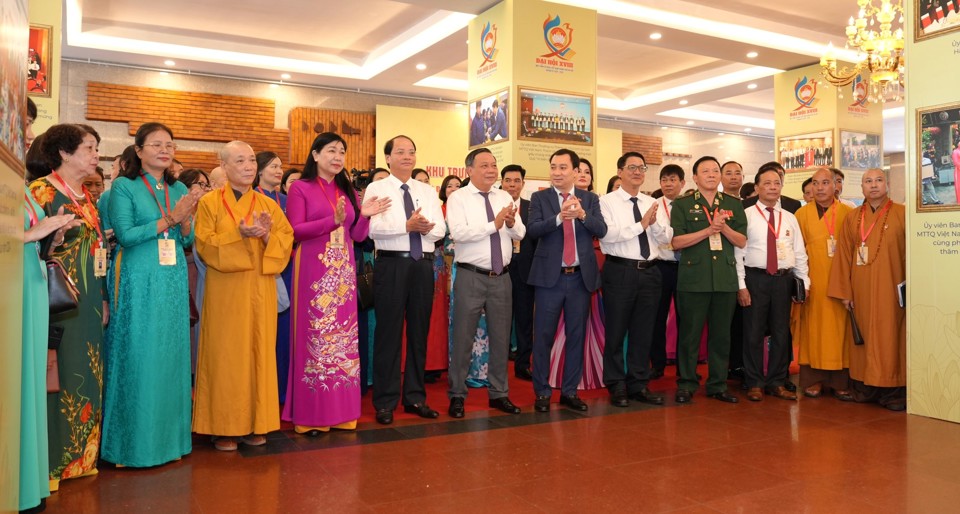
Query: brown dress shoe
783	393
755	394
813	391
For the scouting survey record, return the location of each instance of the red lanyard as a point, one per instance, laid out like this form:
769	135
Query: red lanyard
707	214
166	194
264	193
336	194
34	219
776	233
223	196
94	222
831	227
665	208
863	237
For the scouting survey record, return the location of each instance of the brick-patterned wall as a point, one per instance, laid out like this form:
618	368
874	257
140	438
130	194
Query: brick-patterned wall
191	116
650	147
358	129
206	161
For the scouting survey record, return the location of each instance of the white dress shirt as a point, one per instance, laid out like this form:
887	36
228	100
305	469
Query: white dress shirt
754	254
470	230
559	197
389	229
623	233
667	253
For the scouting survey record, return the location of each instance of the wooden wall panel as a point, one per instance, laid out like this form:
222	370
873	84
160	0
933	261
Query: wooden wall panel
650	147
358	129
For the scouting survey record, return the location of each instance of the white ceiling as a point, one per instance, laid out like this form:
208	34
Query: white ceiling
374	45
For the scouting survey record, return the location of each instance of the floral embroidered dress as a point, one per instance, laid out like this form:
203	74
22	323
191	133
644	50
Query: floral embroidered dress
324	380
74	414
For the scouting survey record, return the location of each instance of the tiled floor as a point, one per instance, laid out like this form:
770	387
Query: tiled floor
776	456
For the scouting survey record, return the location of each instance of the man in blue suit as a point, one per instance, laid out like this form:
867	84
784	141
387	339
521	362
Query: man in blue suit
498	126
478	131
564	273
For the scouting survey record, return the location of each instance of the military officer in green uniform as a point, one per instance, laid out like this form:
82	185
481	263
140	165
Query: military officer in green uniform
707	225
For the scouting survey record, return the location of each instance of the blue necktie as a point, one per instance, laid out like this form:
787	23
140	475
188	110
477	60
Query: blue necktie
416	248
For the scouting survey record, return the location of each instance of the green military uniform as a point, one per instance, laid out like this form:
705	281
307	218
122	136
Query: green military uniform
706	289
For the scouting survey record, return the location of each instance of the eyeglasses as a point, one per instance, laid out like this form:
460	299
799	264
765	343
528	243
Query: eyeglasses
157	146
633	168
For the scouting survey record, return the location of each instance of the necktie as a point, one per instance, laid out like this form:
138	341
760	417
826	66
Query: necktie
644	244
416	248
496	253
569	243
771	245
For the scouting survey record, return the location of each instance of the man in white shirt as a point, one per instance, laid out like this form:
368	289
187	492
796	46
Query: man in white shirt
766	267
405	237
631	283
483	223
671	184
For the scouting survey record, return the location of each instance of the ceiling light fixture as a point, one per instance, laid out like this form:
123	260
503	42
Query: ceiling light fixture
689	122
656	36
684	102
421	67
285	76
721	134
752	55
748	129
168	62
751	86
664	128
879	51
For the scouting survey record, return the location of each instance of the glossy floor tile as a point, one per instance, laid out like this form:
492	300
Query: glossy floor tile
808	456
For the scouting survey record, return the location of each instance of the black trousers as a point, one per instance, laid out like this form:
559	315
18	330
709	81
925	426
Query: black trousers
736	339
402	290
769	312
631	298
668	289
523	295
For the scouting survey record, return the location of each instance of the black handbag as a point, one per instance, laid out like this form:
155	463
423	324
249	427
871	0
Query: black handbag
64	294
857	336
365	287
799	290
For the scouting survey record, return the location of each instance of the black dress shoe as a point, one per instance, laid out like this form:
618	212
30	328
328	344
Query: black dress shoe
384	416
456	407
790	386
523	374
619	398
421	409
574	402
724	396
542	404
647	396
505	405
683	396
657	373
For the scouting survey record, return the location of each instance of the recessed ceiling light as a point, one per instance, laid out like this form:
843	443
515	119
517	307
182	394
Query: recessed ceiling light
421	66
752	55
684	102
751	86
771	151
655	36
274	86
689	122
285	76
721	134
164	73
168	62
748	129
664	128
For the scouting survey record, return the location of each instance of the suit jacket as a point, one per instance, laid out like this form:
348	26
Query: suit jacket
548	256
522	261
788	204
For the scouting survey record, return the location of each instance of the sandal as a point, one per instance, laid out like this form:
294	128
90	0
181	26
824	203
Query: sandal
225	444
254	440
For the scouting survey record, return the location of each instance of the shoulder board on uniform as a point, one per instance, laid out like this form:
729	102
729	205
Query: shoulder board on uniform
735	197
688	193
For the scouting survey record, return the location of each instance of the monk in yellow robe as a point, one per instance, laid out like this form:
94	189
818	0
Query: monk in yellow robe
823	331
869	265
245	240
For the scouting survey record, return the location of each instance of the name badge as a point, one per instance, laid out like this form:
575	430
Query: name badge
516	246
168	252
336	238
716	244
100	262
831	247
781	250
863	255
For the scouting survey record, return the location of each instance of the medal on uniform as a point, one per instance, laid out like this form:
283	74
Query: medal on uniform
167	251
516	246
862	255
100	262
336	238
831	246
716	244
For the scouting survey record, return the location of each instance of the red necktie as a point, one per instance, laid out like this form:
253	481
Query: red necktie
772	266
569	243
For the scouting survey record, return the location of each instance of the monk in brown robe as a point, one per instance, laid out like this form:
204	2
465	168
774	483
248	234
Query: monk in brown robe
823	331
869	265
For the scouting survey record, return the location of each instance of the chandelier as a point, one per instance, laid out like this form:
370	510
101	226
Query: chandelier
879	50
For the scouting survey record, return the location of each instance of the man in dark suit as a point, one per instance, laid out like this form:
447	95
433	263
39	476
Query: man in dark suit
564	272
512	181
790	205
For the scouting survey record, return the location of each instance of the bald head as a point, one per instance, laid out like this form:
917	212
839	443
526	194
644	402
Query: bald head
239	163
874	185
824	187
217	178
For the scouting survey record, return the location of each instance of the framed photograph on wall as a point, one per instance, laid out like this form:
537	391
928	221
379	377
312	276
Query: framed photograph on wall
556	117
805	151
489	119
935	18
938	156
39	72
859	150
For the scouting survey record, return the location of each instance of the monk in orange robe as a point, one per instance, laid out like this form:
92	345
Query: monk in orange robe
822	333
245	240
867	270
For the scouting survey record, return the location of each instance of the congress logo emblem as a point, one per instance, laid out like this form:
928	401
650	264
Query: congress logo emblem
488	43
859	89
805	91
558	36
